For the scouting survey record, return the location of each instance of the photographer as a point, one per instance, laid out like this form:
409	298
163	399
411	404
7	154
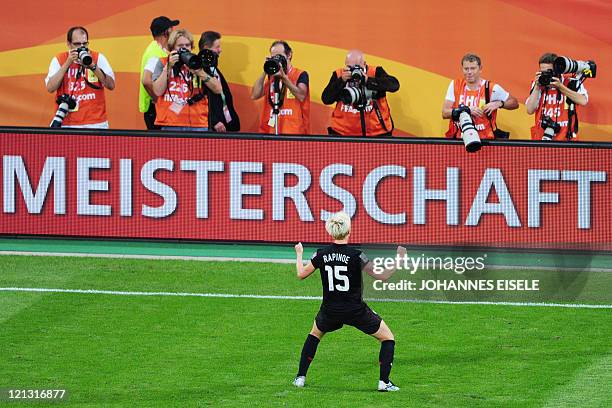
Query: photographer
482	97
366	87
287	89
81	75
549	98
221	113
178	82
161	27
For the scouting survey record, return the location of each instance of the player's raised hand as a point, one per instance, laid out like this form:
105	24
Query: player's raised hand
401	251
299	249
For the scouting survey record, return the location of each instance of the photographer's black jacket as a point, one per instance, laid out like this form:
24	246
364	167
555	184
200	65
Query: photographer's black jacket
215	107
382	82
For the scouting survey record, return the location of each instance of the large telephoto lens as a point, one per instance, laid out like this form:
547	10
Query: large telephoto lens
350	95
85	57
565	65
469	134
191	60
271	67
273	64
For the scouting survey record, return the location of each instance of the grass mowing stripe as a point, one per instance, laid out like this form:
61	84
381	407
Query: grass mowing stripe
274	260
585	389
285	297
152	257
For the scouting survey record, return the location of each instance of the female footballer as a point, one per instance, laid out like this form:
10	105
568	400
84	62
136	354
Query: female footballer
341	268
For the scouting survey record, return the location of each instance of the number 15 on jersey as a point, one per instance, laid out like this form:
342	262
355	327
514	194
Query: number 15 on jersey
334	274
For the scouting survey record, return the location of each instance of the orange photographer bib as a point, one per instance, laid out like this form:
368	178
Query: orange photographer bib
91	102
173	108
472	99
346	119
555	107
294	116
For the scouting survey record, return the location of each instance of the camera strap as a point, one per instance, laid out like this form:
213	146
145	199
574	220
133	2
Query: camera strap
81	72
487	100
572	115
497	132
380	118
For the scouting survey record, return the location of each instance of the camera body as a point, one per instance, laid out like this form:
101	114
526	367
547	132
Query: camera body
551	128
462	116
66	103
84	55
546	77
274	63
188	58
357	73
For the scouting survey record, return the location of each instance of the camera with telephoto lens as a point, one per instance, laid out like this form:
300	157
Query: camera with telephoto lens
355	92
66	103
273	64
462	116
188	58
565	65
551	128
84	56
546	77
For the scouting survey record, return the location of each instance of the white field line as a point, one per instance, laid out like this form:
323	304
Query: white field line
280	297
271	260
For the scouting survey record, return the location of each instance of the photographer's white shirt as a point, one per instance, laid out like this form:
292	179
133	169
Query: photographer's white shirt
497	93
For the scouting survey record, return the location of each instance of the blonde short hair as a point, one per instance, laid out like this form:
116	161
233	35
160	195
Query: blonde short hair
338	225
176	34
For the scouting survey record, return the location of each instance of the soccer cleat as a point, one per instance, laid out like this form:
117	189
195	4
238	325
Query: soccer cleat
387	387
299	381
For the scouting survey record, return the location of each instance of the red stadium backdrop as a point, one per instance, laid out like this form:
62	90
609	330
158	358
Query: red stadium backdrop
423	192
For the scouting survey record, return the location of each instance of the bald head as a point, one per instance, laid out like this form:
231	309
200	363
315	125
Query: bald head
355	57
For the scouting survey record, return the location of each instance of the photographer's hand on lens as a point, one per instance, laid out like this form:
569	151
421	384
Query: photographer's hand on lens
281	75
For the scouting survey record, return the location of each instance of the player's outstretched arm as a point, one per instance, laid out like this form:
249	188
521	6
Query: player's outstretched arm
303	271
387	273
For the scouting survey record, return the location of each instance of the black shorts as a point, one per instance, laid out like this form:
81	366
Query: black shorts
363	319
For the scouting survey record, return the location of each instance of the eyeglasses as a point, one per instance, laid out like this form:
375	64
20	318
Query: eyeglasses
81	44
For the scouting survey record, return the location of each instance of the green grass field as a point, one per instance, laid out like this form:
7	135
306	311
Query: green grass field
163	351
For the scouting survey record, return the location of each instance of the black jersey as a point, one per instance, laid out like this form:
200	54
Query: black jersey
340	266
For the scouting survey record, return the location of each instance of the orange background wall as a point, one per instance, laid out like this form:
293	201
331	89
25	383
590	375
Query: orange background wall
420	43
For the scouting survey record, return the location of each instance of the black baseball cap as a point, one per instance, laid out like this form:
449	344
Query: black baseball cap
161	24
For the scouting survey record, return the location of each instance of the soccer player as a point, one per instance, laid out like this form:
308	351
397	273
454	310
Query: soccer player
341	269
